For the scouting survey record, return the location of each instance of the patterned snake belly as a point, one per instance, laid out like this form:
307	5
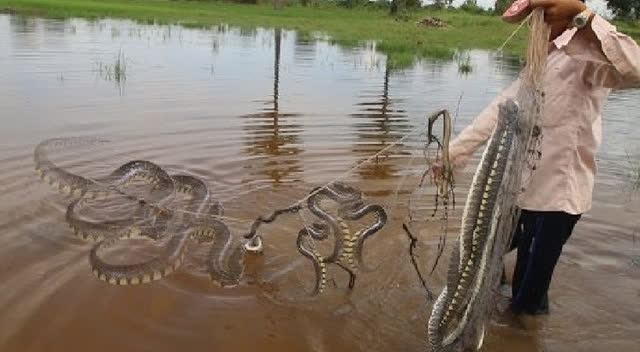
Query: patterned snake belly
347	247
150	220
347	250
199	222
469	261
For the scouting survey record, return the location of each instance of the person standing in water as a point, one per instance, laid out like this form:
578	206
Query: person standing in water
587	58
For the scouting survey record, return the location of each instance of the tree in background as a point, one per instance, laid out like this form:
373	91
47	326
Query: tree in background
442	3
398	6
353	3
471	6
629	9
502	5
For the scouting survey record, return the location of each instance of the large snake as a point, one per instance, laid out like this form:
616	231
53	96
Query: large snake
199	222
347	246
471	257
151	219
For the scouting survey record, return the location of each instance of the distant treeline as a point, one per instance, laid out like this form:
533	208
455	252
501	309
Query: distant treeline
393	5
622	9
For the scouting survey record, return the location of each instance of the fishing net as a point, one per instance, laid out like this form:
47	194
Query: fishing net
462	310
409	245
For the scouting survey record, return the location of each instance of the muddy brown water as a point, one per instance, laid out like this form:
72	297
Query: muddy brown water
263	116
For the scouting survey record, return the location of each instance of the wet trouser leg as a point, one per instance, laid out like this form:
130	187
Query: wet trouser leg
539	238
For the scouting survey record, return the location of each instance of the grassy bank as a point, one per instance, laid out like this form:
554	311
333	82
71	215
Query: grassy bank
401	39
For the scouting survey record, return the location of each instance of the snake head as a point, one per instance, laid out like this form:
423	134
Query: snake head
350	208
217	208
318	229
344	188
254	245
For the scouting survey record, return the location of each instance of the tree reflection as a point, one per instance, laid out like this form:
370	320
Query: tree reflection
512	65
274	135
304	49
379	125
24	31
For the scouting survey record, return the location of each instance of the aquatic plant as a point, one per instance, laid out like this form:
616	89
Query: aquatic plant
463	60
117	71
120	68
634	173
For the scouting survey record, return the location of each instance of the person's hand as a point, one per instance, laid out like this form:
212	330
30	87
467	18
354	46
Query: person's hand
559	12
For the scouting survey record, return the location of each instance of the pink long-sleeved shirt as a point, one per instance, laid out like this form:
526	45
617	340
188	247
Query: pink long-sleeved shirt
577	82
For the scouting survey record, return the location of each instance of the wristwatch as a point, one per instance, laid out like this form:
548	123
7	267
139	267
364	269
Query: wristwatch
580	20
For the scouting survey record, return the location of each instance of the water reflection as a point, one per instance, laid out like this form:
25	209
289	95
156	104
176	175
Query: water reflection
23	24
304	50
511	65
55	26
273	135
249	32
25	32
379	123
326	108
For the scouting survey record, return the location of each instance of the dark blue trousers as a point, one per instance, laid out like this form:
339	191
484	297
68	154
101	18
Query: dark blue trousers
539	239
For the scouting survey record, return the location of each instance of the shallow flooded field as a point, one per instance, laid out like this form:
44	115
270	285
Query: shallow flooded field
262	117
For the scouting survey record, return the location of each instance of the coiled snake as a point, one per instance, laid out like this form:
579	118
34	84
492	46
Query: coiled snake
200	222
347	247
151	219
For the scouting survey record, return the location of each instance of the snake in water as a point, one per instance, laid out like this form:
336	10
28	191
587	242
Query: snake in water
151	219
199	222
347	246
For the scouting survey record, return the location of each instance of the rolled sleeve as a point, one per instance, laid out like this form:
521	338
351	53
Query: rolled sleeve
479	131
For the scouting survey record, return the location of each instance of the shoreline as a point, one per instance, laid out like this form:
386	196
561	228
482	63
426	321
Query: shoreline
403	40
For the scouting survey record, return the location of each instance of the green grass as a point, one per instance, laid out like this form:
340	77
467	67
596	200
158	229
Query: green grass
630	29
403	40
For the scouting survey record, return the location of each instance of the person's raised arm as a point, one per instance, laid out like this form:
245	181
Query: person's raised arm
618	65
479	131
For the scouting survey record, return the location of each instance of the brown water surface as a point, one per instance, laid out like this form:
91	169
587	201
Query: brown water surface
262	117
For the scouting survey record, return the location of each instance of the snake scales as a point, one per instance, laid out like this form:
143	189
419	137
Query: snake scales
347	246
200	222
347	249
469	268
461	312
151	219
